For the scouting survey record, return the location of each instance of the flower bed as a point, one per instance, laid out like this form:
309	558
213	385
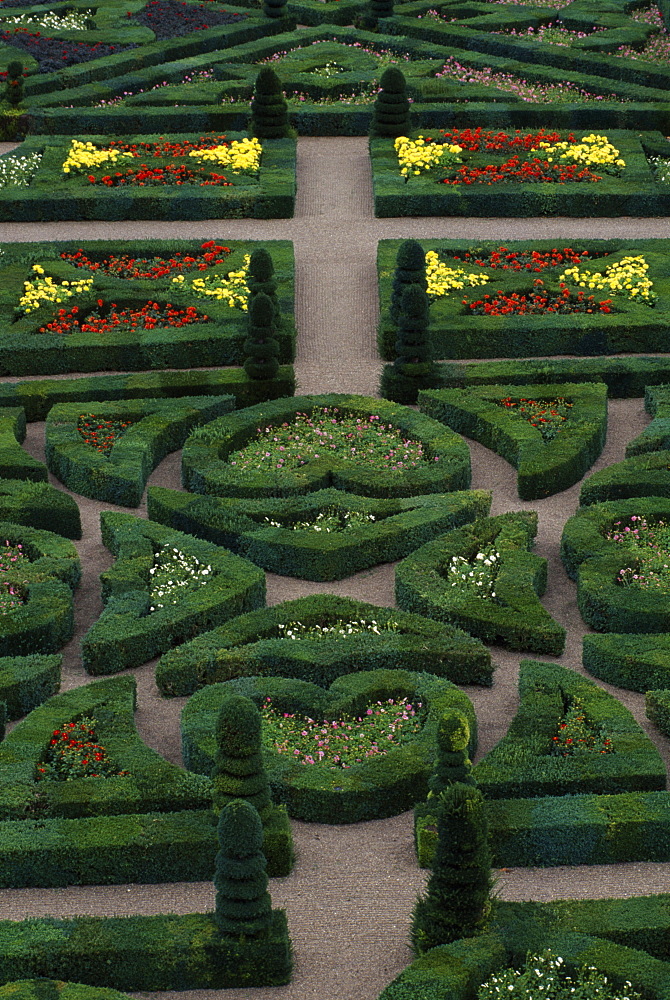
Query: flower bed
108	454
485	300
136	624
416	455
152	177
103	305
483	578
378	785
551	434
319	647
518	173
325	535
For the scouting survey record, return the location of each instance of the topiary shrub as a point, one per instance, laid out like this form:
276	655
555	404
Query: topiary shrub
390	115
413	368
452	764
269	110
458	901
239	772
243	905
14	87
260	278
261	347
410	269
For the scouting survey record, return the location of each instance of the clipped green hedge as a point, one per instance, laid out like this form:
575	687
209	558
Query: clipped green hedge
15	463
521	766
145	953
544	467
457	332
153	785
39	505
566	830
657	707
205	468
42	989
27	681
159	426
634	192
382	785
43	623
606	606
26	351
127	633
656	435
396	527
253	644
38	396
584	533
47	555
634	662
514	617
50	197
646	475
625	378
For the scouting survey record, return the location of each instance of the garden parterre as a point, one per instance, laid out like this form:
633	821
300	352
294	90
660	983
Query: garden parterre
514	300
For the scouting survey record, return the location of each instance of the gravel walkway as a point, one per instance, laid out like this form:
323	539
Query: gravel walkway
351	894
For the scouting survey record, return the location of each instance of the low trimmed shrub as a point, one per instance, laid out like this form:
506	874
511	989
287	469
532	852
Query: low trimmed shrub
27	681
256	644
15	463
646	475
39	505
631	661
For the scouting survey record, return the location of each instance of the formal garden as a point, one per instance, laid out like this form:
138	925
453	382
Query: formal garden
334	499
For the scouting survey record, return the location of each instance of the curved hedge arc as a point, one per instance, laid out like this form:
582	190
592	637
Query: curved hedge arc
159	426
205	469
251	644
43	623
381	786
631	661
452	970
641	476
656	435
39	505
50	555
516	618
544	467
153	783
396	529
27	681
606	606
127	634
520	764
15	462
584	533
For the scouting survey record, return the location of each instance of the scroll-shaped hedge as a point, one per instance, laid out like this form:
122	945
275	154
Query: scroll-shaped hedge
427	584
608	606
39	505
206	469
646	475
544	466
45	554
153	784
255	643
585	533
128	632
27	681
656	435
636	662
119	475
345	533
381	785
522	764
15	462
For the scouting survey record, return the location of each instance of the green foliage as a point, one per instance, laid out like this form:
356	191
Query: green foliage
14	84
632	661
239	772
269	110
458	898
390	116
452	764
243	906
261	346
410	269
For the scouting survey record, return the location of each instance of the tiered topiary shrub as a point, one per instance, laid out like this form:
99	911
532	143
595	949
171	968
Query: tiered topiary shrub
269	110
261	345
243	907
390	116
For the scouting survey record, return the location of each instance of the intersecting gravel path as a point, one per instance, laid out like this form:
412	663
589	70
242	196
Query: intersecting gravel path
351	894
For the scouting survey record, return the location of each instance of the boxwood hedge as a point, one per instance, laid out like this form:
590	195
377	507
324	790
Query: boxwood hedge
27	681
381	785
514	617
255	643
128	633
266	531
656	435
39	505
544	466
635	662
15	463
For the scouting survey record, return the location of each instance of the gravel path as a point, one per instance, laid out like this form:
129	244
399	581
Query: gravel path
350	896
